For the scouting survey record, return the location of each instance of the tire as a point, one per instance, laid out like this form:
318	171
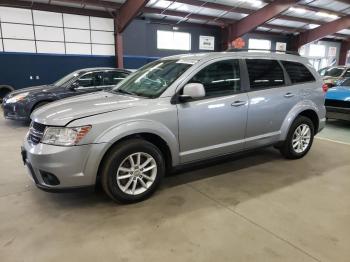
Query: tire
117	171
301	149
4	90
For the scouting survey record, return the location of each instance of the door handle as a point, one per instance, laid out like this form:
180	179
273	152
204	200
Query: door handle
288	95
238	103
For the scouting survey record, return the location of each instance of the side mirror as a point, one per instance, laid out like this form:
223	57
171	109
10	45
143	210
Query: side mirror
192	91
74	86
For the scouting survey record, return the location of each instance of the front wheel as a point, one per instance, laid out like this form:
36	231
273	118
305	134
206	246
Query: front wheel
132	171
299	138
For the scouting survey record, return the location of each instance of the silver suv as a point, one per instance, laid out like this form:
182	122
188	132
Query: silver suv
171	112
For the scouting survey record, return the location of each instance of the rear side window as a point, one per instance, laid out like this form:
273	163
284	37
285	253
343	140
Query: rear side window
113	77
298	73
347	73
264	73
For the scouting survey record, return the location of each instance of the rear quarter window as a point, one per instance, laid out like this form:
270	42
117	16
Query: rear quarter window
298	73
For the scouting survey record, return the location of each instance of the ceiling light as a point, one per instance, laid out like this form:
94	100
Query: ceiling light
297	10
312	26
255	3
323	14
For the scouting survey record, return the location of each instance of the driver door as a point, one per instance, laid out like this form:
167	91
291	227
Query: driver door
214	125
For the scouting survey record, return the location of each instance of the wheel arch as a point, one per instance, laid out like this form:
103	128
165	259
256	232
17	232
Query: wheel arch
153	138
309	110
4	90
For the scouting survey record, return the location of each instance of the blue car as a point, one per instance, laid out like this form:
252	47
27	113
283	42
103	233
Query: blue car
338	101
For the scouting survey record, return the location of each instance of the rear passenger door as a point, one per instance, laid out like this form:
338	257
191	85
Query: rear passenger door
271	97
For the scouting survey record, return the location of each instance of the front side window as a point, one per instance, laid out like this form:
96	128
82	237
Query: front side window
298	73
153	79
91	79
264	73
219	78
113	77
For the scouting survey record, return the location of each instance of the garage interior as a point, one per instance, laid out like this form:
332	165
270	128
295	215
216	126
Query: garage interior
254	206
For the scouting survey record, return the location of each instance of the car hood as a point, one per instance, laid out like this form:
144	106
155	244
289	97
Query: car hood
61	112
35	90
339	93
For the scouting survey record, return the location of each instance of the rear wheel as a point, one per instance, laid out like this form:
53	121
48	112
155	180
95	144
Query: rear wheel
299	138
132	171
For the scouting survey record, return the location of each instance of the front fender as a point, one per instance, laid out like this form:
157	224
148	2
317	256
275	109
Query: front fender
132	127
296	110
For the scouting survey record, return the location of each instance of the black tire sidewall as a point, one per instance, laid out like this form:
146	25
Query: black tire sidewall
288	147
115	158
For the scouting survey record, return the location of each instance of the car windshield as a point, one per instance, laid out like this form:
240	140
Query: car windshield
67	79
333	72
153	79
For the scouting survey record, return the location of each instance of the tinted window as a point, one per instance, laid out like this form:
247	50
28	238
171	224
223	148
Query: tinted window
113	77
91	79
264	73
219	78
334	72
298	73
345	83
347	73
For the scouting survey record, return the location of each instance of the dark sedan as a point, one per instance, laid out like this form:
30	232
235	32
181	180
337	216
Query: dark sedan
19	104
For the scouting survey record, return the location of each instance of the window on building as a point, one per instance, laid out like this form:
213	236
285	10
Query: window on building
298	73
259	44
219	78
173	40
264	73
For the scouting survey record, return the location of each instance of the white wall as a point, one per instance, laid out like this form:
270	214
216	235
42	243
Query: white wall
23	30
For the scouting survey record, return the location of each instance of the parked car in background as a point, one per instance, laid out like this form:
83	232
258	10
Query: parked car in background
19	104
338	101
172	112
331	75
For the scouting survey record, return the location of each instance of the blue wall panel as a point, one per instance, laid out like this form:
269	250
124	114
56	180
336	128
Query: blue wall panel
16	69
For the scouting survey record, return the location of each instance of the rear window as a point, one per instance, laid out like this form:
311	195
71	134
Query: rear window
298	73
264	73
334	72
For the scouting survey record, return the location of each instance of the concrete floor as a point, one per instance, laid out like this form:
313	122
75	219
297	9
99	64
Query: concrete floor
259	207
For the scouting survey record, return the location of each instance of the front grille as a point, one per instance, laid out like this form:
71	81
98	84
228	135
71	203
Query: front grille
36	132
337	103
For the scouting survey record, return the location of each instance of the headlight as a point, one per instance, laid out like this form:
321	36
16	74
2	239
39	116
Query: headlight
17	98
64	136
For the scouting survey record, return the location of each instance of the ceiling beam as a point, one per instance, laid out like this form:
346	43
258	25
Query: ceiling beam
205	18
96	3
323	31
258	18
128	11
240	10
54	8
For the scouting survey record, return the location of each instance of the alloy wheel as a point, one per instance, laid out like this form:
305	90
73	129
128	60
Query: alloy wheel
301	138
136	173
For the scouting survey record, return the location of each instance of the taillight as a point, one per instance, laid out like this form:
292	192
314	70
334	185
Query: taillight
325	87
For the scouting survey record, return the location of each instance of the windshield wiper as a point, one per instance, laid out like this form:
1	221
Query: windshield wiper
122	91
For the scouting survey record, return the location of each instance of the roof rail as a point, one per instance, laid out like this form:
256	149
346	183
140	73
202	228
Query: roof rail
268	50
